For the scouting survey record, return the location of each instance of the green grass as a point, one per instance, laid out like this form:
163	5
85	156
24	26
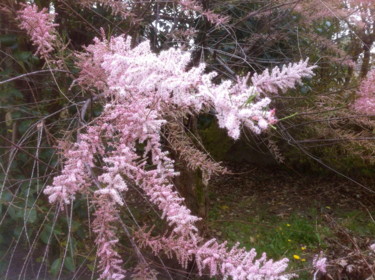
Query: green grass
298	236
358	222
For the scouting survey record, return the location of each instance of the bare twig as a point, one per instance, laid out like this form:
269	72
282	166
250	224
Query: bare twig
33	73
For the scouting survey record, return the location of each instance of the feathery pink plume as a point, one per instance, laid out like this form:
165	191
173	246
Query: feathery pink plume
39	26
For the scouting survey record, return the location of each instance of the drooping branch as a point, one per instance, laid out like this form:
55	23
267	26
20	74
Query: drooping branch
40	27
282	78
144	90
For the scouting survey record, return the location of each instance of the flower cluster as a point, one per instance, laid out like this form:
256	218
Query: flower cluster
103	226
284	78
192	5
40	27
365	102
75	177
215	257
144	90
320	264
163	81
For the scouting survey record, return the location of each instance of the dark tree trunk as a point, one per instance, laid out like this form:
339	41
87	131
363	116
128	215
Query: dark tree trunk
366	59
43	3
191	187
190	182
355	51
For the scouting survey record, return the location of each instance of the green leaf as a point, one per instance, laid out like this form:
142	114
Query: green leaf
17	231
305	89
7	196
69	264
55	267
16	115
12	213
8	39
22	56
3	265
90	266
250	99
76	225
45	235
13	93
24	125
32	215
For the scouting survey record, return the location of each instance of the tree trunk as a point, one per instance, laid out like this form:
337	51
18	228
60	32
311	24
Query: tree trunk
43	3
190	182
191	187
355	51
366	59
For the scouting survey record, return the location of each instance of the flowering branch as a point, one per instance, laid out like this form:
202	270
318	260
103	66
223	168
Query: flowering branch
365	102
285	78
40	27
144	90
232	262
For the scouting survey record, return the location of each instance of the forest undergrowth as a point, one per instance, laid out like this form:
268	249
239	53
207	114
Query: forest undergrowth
294	215
279	211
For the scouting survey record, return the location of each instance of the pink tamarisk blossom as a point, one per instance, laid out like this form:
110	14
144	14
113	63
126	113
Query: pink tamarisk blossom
319	264
365	102
215	257
92	75
40	27
192	5
109	260
124	9
74	177
143	272
282	79
142	92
